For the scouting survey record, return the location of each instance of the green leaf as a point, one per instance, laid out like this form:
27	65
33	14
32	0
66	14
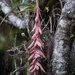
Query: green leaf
72	35
25	8
16	2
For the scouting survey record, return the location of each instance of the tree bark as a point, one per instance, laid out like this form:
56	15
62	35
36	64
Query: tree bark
61	41
72	56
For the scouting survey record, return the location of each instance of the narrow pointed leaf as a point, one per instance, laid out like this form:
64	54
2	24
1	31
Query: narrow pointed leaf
31	68
40	31
40	67
31	45
37	55
41	54
34	28
34	60
31	52
31	57
34	72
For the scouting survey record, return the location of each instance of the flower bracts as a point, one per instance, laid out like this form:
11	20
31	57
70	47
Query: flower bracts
36	45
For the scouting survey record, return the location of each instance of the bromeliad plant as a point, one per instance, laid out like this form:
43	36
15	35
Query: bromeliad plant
35	46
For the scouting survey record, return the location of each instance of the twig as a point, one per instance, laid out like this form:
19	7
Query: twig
61	3
6	21
45	25
18	69
50	19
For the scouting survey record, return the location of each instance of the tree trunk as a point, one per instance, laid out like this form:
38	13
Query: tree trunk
72	58
61	41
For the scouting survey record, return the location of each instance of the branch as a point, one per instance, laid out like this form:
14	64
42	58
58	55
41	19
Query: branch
15	20
21	47
18	69
6	21
62	39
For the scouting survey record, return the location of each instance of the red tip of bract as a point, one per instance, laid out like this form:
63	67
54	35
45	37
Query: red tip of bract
40	31
33	62
39	43
34	28
31	52
41	54
31	45
34	72
31	57
31	68
38	64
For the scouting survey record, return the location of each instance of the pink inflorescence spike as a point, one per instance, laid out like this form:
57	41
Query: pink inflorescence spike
36	45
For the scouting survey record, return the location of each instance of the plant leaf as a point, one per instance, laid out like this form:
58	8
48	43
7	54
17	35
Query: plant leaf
38	64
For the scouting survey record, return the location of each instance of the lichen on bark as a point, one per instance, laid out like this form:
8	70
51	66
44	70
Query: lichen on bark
61	42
